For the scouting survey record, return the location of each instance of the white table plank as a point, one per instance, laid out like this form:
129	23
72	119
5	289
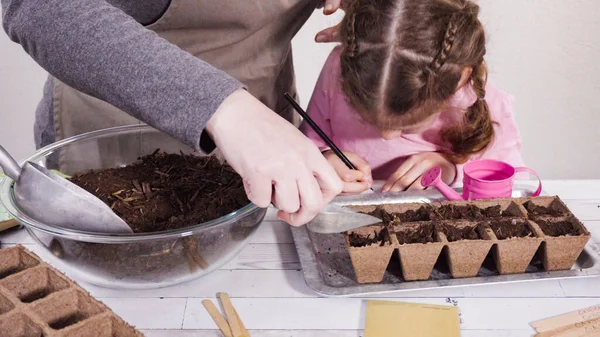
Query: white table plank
339	314
588	287
149	313
321	333
237	283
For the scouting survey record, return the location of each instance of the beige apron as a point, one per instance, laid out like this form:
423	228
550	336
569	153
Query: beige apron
249	39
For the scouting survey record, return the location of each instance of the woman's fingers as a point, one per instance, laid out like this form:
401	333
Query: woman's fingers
331	34
331	6
286	195
311	200
258	189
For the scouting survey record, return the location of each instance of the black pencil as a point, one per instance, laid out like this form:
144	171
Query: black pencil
320	132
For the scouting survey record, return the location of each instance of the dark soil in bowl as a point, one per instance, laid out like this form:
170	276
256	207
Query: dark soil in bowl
511	228
455	233
559	228
167	191
422	234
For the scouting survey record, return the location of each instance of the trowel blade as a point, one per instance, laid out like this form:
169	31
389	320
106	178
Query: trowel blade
336	219
55	201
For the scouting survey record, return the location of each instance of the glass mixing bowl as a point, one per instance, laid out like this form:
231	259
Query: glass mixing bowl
131	261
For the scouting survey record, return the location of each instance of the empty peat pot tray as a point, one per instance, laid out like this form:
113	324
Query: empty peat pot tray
37	300
449	243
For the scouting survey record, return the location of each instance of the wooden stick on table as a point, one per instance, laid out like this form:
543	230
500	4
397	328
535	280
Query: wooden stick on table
218	318
232	317
242	327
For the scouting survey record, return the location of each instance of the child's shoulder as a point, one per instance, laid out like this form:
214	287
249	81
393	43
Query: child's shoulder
330	74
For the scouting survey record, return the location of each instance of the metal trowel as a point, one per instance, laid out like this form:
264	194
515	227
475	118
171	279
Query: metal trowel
337	219
48	198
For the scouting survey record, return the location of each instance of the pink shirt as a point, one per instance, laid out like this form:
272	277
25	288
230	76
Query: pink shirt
342	124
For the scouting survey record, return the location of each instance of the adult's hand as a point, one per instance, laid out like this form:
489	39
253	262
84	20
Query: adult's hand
277	162
331	34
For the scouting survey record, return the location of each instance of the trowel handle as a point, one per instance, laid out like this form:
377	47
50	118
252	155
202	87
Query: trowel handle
10	167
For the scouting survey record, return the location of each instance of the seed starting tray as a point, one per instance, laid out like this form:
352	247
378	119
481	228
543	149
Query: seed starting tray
38	301
375	260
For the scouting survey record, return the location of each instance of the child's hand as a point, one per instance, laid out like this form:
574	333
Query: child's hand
408	175
355	181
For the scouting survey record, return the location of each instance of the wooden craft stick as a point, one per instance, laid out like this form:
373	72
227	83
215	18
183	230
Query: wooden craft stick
217	317
4	225
569	318
244	331
232	317
585	328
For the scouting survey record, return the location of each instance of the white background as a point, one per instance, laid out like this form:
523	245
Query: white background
544	52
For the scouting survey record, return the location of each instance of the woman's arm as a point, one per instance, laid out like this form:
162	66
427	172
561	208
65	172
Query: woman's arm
96	48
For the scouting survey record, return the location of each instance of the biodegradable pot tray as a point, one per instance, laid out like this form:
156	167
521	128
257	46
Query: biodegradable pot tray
37	300
498	241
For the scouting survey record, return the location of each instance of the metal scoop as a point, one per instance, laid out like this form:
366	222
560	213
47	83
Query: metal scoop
336	219
47	197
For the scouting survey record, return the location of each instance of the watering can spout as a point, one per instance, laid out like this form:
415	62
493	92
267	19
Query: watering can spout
433	178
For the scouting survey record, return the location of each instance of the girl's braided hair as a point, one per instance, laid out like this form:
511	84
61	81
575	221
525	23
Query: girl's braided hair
403	59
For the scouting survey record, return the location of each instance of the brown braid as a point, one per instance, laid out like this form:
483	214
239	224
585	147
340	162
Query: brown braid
351	28
447	43
475	133
432	42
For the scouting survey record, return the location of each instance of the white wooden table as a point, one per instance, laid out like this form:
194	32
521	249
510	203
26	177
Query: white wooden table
268	290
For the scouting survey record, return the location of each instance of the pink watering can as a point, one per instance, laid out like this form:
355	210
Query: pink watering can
483	179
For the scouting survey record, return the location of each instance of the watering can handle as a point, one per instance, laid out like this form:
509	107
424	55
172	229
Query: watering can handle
10	167
528	170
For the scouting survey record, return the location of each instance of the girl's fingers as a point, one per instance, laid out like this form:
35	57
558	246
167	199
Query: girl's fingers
362	166
350	176
400	172
413	176
416	185
355	187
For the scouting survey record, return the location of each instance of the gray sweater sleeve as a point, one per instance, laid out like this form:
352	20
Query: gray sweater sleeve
96	48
